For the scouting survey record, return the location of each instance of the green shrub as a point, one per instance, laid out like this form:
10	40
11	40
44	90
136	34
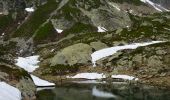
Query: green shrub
45	31
40	15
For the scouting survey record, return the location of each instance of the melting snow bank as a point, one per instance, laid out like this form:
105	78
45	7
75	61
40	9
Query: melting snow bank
31	9
28	63
58	30
125	77
45	88
90	82
94	76
90	76
8	92
156	6
114	5
110	51
41	83
102	94
101	29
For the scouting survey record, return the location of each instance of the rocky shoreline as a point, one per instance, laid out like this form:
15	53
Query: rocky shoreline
58	39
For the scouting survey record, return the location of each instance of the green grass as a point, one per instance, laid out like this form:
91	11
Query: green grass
5	20
135	33
80	28
45	31
14	72
36	19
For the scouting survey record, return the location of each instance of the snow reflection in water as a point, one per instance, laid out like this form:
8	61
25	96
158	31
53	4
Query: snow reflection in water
103	91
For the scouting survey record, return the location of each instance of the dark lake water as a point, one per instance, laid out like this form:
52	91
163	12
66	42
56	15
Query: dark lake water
114	91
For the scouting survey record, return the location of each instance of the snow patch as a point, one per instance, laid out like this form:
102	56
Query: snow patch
156	6
45	88
114	5
90	76
2	35
52	50
31	9
90	82
102	94
93	76
124	77
163	8
8	92
28	63
101	29
58	30
110	51
166	28
41	83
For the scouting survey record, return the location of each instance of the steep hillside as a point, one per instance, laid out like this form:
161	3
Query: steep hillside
66	34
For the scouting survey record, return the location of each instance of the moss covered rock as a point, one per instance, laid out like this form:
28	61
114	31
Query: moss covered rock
98	45
18	78
75	54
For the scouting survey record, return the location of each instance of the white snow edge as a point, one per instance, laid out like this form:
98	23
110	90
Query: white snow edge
28	63
125	77
112	50
101	29
8	92
114	5
94	76
31	9
156	6
90	76
41	83
58	30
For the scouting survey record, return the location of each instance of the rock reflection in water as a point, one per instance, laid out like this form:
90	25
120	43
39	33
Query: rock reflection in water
104	92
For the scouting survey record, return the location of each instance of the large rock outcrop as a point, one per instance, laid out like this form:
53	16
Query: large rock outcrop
75	54
15	76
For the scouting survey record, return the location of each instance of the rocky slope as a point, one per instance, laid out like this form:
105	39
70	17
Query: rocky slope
15	76
59	58
69	50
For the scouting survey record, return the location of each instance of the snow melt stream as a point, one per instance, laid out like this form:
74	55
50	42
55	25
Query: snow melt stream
110	51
